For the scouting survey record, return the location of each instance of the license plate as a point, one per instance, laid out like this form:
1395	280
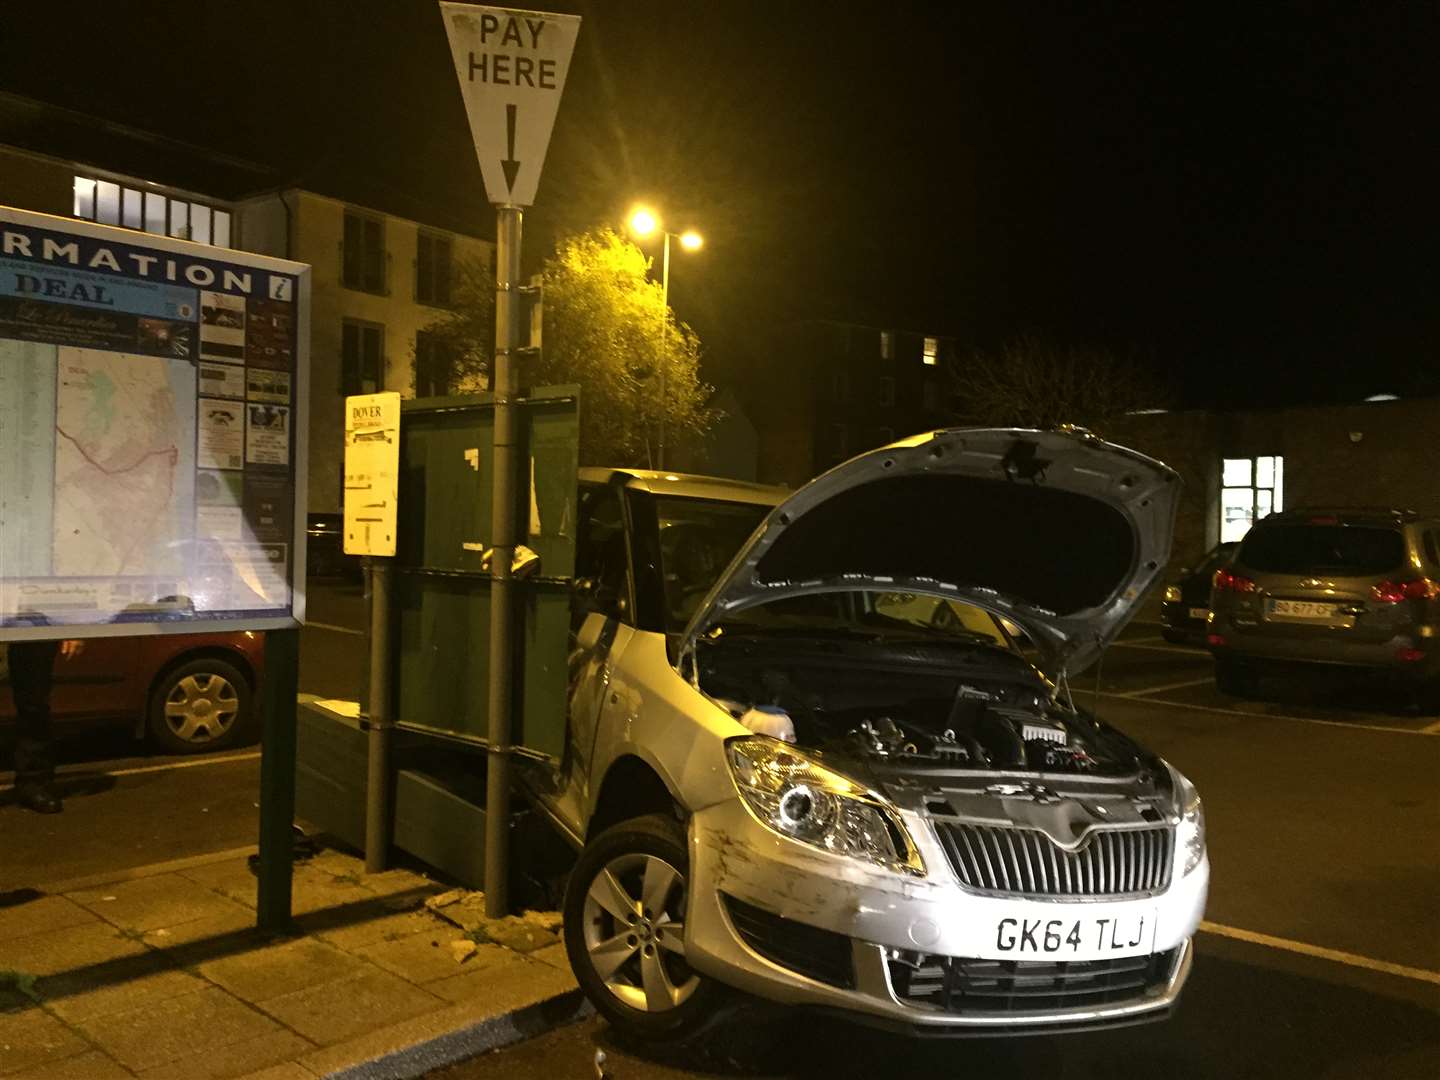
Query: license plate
1028	934
1199	612
1301	609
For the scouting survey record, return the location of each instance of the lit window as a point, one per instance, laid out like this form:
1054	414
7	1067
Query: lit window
1253	488
887	345
150	211
931	352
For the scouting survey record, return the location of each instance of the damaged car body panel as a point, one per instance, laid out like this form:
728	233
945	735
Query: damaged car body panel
827	775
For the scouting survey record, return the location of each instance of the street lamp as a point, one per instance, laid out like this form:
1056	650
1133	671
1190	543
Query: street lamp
644	222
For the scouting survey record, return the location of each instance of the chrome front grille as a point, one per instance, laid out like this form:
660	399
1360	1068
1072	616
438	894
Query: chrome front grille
1026	862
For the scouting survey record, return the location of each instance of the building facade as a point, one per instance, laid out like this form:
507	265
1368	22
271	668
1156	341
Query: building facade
378	278
832	390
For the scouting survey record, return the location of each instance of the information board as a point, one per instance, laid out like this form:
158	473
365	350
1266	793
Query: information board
153	399
372	467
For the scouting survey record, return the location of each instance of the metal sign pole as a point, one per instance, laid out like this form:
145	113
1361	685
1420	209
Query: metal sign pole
278	690
382	724
505	470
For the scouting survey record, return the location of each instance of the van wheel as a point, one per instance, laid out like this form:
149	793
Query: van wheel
625	930
200	706
1236	679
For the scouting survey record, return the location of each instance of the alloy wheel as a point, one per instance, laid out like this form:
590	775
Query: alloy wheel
635	932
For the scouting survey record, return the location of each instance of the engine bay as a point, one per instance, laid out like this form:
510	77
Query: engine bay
915	709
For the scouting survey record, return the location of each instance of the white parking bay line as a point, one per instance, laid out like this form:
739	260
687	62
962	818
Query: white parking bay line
1169	686
1321	953
1347	725
1144	644
196	763
336	629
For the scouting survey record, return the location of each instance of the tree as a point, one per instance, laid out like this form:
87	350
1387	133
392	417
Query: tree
606	329
1034	383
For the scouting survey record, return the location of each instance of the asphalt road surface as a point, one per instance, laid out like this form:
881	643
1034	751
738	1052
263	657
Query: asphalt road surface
1320	957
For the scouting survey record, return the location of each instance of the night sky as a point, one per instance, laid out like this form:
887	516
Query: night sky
1244	195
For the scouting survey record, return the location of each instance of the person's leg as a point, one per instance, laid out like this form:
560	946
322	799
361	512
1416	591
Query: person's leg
32	667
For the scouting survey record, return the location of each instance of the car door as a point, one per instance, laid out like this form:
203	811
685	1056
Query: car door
95	683
602	626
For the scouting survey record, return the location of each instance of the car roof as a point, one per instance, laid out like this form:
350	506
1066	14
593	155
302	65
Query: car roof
1341	515
687	485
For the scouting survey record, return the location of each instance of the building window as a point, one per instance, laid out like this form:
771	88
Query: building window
930	354
839	442
362	358
887	345
109	203
840	385
363	253
887	391
432	269
931	400
434	365
1250	489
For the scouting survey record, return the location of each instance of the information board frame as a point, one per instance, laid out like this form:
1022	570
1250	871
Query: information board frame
140	269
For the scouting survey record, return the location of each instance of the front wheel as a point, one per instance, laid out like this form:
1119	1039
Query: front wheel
625	930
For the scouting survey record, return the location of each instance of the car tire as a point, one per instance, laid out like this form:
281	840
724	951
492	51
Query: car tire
1236	679
200	706
626	892
1175	637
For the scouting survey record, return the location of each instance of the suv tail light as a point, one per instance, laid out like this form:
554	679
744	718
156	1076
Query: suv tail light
1226	580
1393	592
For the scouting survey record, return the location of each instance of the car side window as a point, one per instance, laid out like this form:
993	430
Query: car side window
602	564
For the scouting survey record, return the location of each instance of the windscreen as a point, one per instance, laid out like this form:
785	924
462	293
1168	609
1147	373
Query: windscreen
1347	550
698	538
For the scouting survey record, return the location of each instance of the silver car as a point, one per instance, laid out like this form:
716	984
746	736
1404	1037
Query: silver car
807	762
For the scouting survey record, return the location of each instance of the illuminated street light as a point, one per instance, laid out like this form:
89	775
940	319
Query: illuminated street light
644	222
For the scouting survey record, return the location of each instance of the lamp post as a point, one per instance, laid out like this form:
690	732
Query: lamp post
643	222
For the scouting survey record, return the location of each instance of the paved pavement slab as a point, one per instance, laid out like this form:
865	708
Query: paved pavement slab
41	914
238	1059
74	947
198	1023
89	1066
334	1011
504	979
34	1038
271	971
150	980
422	957
153	902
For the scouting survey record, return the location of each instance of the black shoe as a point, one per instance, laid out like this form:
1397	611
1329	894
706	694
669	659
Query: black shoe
39	797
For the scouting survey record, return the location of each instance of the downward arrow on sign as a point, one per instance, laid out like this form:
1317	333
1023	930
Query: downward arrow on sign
509	164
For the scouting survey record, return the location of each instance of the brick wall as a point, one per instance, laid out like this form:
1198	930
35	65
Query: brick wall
1376	454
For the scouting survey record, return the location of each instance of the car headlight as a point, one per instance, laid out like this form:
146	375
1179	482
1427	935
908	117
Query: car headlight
803	800
1172	593
1190	833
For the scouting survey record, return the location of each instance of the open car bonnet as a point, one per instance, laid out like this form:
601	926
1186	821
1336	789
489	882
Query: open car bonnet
1058	531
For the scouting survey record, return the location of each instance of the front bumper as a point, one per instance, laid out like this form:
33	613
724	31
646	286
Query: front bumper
884	919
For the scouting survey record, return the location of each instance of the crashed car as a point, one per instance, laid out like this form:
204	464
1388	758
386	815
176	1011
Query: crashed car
807	761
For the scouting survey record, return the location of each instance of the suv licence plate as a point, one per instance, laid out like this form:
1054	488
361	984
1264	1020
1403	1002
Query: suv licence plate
1095	935
1301	609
